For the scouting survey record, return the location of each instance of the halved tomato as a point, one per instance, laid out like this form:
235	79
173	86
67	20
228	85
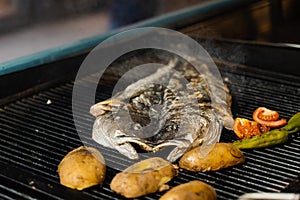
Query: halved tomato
245	128
268	117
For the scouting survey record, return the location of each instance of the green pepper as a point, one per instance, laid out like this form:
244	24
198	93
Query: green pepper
293	124
273	137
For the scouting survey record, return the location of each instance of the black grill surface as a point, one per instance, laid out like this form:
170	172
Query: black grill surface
35	136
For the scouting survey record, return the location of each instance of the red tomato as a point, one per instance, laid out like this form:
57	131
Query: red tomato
268	117
245	128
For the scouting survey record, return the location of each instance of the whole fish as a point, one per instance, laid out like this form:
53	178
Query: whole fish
170	107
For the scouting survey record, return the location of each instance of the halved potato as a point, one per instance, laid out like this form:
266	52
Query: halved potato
82	168
145	177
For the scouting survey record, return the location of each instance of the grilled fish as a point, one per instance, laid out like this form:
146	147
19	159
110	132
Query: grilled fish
170	107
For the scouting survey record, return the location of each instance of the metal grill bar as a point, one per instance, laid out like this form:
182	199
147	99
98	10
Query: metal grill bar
35	136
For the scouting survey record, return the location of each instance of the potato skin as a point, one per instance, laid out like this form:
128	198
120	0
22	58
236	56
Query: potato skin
194	190
82	168
145	177
222	155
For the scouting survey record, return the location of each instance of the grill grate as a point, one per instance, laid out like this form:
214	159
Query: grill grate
35	136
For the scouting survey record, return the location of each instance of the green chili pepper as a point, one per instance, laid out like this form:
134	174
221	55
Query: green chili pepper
293	124
273	137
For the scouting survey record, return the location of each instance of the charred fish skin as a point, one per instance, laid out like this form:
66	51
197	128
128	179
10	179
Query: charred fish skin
177	112
106	129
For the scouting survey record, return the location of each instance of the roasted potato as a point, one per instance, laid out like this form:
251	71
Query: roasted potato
194	190
82	168
145	177
221	155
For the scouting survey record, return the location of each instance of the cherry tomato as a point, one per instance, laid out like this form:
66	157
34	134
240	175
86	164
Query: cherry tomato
245	128
268	117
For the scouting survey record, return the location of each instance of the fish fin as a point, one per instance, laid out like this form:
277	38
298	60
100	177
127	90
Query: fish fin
105	106
129	139
181	147
176	153
127	150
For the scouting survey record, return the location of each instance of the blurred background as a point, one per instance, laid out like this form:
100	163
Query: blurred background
29	26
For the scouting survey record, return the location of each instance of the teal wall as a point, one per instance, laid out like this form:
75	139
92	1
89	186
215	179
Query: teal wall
87	44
